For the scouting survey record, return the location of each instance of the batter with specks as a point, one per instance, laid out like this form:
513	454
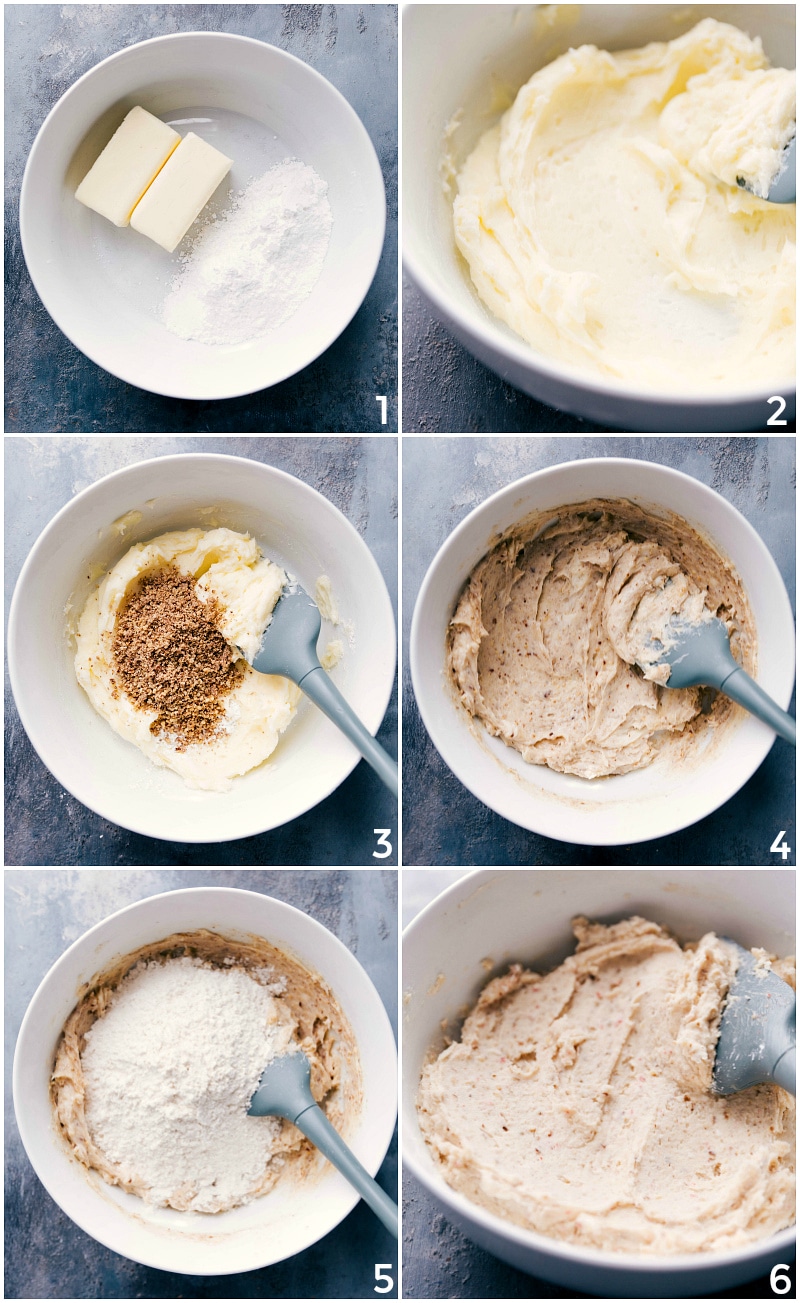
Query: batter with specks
545	641
577	1104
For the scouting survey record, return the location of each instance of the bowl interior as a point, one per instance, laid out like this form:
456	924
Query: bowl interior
490	918
103	285
257	1234
492	51
647	803
295	527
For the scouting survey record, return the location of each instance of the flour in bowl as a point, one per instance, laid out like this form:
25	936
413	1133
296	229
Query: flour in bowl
158	1063
249	271
170	1071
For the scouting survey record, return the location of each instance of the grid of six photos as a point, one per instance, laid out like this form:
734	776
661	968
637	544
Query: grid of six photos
342	601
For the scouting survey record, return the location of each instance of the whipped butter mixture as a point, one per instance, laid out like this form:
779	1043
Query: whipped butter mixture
604	220
158	1062
546	641
162	649
577	1104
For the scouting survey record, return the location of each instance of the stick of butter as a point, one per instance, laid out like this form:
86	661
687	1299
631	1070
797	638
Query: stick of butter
182	188
134	155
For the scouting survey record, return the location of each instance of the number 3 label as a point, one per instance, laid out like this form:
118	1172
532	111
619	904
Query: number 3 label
383	840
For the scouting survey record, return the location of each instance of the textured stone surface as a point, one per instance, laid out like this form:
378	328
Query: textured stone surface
443	480
445	389
50	385
47	1255
45	825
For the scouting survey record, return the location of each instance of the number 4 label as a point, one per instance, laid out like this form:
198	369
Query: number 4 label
784	849
383	1282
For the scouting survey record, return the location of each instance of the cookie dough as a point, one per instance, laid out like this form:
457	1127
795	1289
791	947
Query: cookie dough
240	587
304	1013
576	1104
546	636
602	219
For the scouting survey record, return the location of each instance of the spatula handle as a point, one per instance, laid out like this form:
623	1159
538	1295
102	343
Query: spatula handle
314	1124
785	1071
324	693
740	687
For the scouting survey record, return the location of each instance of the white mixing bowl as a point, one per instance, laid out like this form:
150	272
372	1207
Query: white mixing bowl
458	63
649	802
524	914
289	1218
296	527
101	283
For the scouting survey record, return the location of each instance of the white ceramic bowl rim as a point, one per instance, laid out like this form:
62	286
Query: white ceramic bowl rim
59	764
454	756
378	1016
487	333
625	1262
371	245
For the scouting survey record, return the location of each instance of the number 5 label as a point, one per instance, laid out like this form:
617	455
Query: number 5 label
383	1282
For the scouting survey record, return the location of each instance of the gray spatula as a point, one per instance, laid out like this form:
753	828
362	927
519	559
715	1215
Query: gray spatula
289	647
285	1091
757	1034
701	654
783	188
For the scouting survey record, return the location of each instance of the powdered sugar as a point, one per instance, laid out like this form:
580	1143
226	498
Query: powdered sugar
250	270
170	1070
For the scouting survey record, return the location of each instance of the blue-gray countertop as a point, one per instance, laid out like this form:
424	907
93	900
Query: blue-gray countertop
45	825
443	479
446	390
47	1255
50	385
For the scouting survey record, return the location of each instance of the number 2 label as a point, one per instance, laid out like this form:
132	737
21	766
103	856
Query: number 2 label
774	419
